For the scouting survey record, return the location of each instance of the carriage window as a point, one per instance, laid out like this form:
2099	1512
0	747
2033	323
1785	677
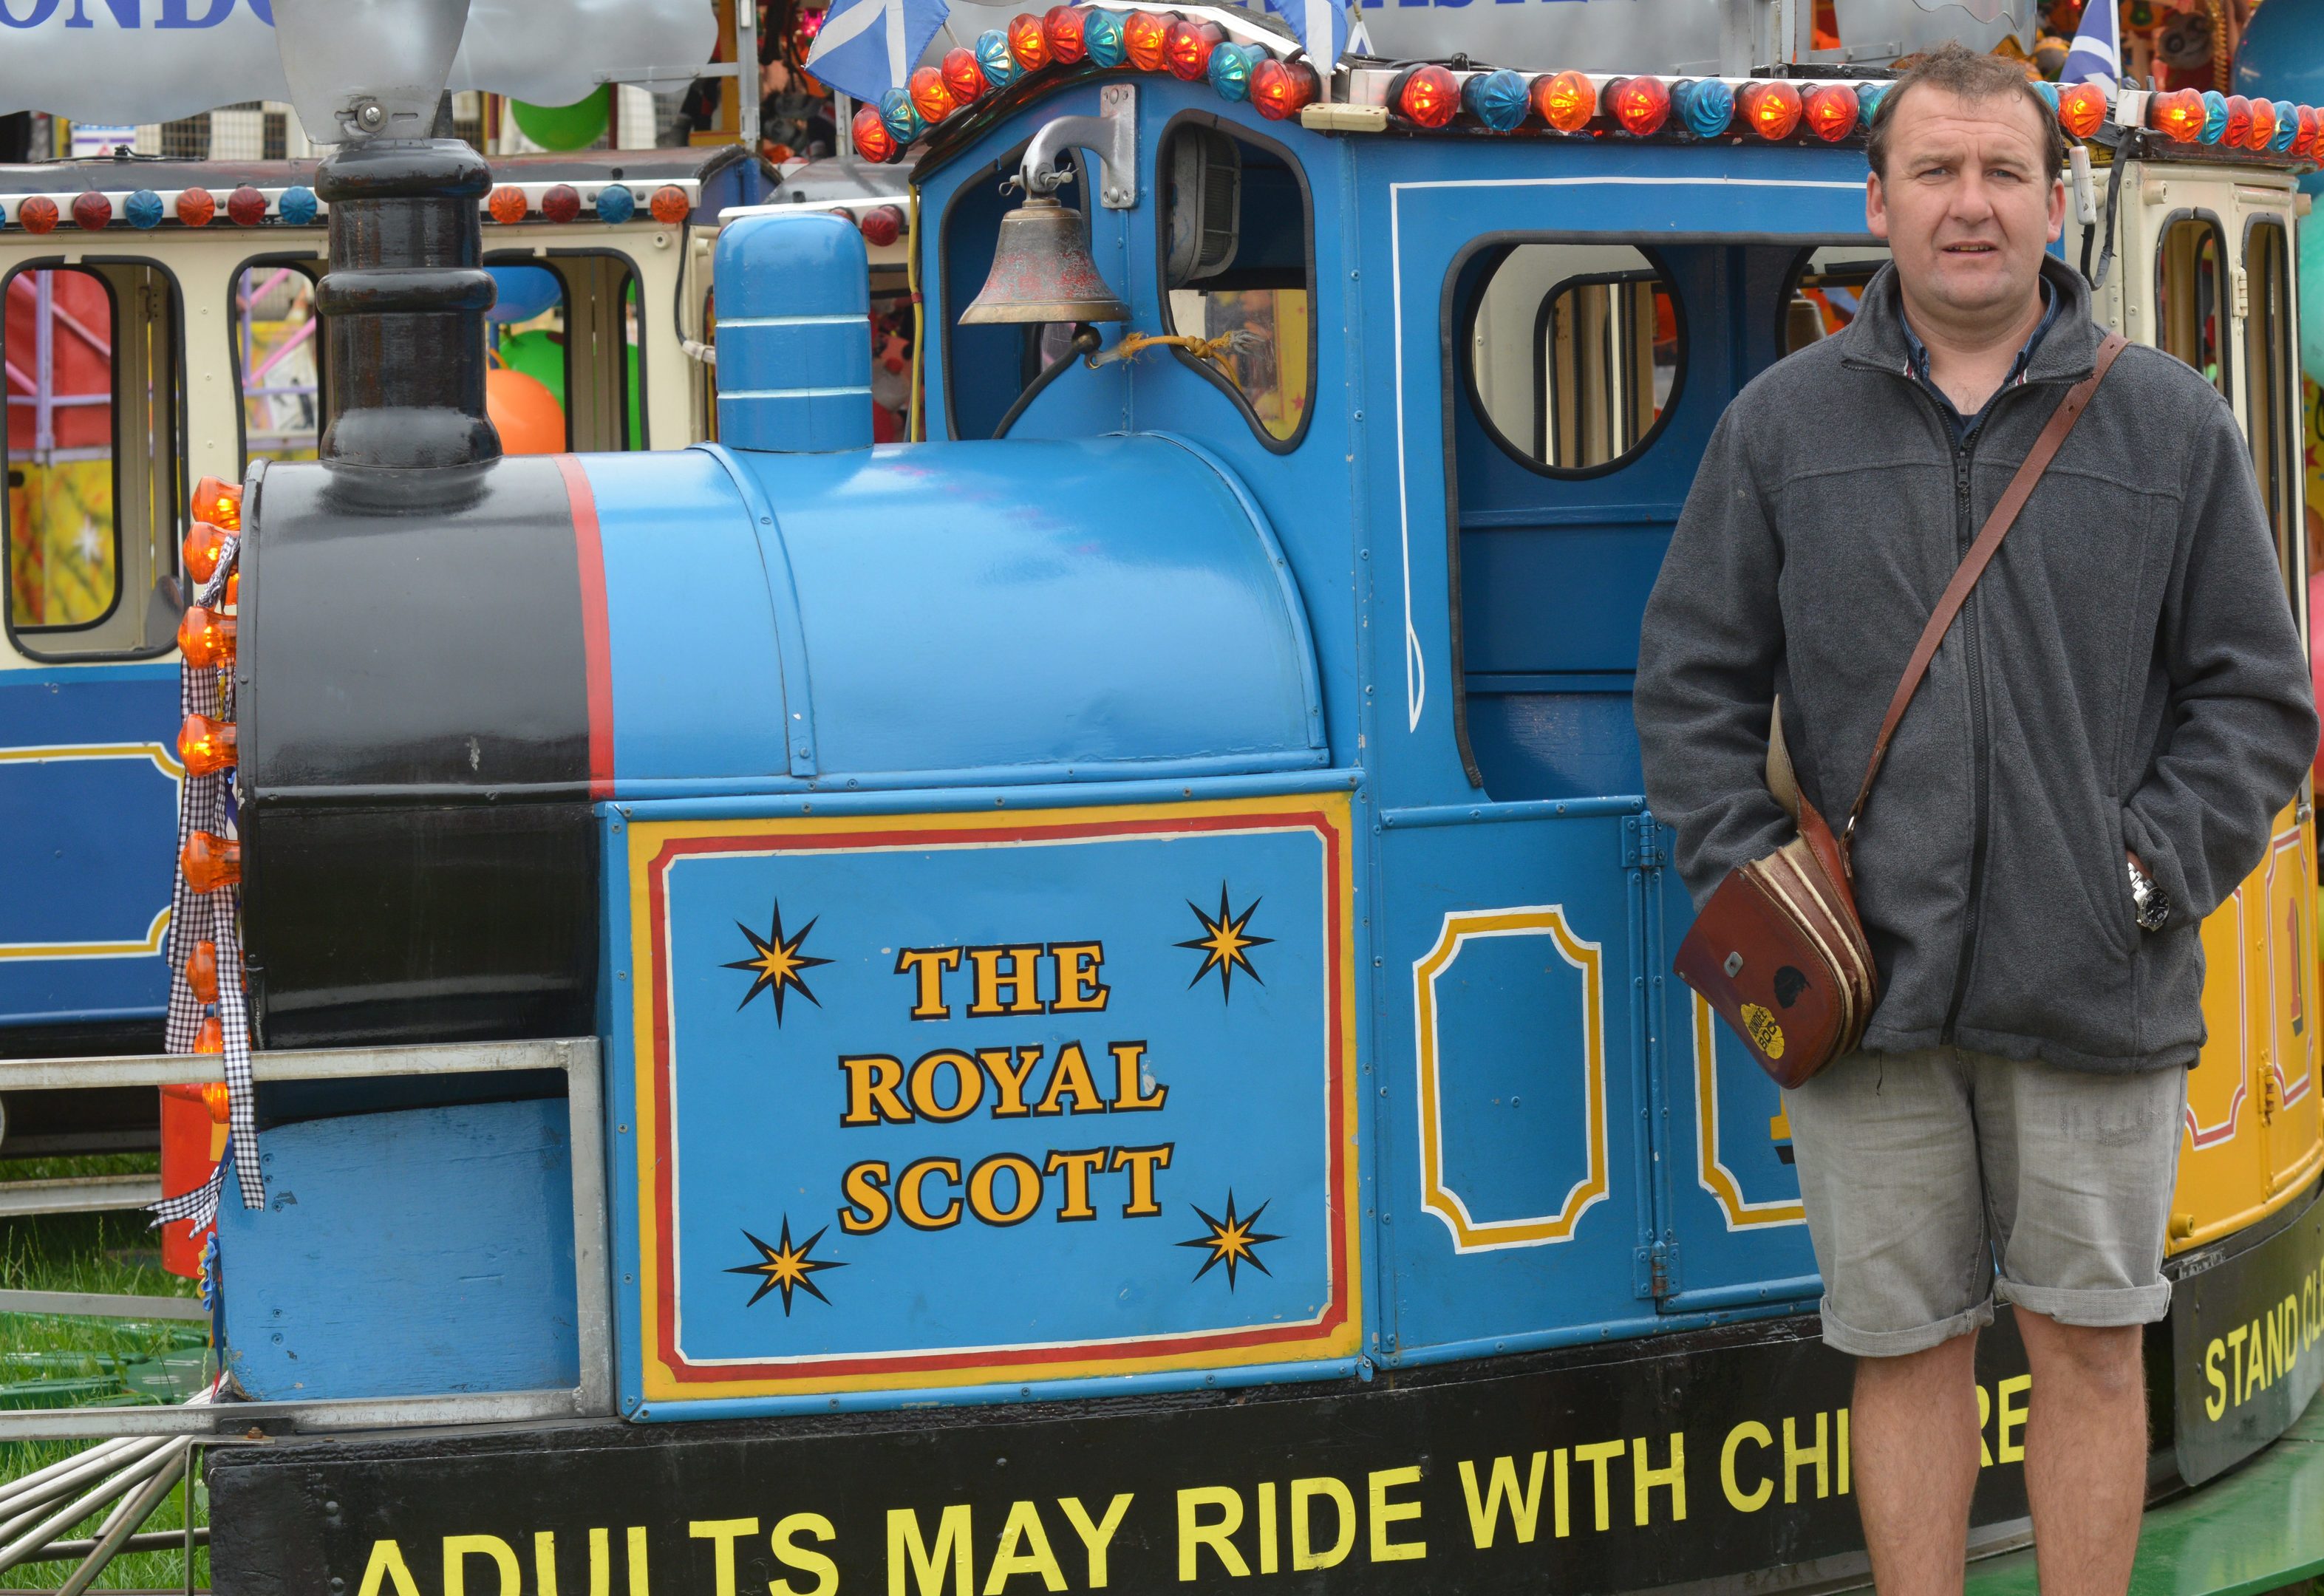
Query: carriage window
1575	353
2189	285
2272	374
92	382
563	360
278	359
1235	258
1828	293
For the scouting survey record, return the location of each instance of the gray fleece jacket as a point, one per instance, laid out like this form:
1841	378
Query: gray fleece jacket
2127	673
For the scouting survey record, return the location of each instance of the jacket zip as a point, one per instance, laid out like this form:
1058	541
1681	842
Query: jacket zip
1973	644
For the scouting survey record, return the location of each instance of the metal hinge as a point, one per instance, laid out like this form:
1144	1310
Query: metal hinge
1642	843
2242	292
1657	1271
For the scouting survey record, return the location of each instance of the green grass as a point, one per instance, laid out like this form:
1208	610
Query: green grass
54	1360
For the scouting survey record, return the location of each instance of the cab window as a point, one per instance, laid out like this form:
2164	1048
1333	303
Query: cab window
1575	353
278	359
1237	239
2271	389
2190	295
93	372
1827	294
564	353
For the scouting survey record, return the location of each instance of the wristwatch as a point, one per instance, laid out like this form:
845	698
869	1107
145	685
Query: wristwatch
2152	902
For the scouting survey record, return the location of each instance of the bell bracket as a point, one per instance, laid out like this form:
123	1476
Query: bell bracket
1110	135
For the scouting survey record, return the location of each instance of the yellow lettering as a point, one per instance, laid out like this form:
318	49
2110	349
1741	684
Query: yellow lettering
1385	1513
1095	1537
912	1201
1193	1534
967	1085
1563	1520
1741	1500
1840	1450
460	1548
867	1209
1795	1455
1024	1549
1077	1169
1268	1562
907	1552
1127	1092
1027	1197
1078	987
1304	1492
1021	980
1485	1512
928	965
1070	1078
2216	1404
2007	1447
722	1533
636	1536
1008	1085
783	1540
386	1566
1597	1455
1643	1480
2236	1350
1142	1162
1984	1411
872	1082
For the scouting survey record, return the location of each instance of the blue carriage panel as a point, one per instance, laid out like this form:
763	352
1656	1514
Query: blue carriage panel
88	820
1512	1188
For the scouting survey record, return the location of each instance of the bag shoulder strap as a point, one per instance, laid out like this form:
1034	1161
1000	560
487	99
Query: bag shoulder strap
1981	555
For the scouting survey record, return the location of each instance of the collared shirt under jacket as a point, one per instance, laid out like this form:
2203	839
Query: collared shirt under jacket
2127	674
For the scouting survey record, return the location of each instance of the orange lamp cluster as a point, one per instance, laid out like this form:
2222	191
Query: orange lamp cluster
208	744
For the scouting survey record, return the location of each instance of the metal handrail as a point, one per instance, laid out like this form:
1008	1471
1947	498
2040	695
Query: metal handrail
593	1397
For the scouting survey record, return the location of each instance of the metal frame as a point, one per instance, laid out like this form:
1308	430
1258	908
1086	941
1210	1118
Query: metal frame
577	1056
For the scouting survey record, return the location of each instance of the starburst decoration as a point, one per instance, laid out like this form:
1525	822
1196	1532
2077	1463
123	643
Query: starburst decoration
1232	1242
777	963
1226	945
788	1268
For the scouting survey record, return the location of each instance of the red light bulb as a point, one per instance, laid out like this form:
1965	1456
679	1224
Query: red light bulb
1772	108
245	206
561	204
1641	105
881	225
1427	96
37	214
1831	112
1061	28
1282	89
963	76
91	212
873	142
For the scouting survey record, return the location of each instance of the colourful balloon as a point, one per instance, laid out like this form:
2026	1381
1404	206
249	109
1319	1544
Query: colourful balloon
524	412
576	126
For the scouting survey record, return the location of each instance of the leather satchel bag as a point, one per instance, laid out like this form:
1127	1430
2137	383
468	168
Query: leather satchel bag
1779	950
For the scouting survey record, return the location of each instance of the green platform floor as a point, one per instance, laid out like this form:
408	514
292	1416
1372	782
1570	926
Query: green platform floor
2258	1528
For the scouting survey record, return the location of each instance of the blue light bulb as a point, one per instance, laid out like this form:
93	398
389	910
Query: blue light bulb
1705	104
2215	115
1102	43
992	57
903	117
1230	69
2287	125
1499	99
296	206
616	204
144	209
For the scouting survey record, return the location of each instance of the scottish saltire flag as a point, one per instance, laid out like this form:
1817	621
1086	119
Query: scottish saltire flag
868	47
2096	53
1322	26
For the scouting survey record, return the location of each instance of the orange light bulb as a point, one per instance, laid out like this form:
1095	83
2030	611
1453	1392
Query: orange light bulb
201	551
507	204
1772	108
1146	36
218	503
206	745
2081	109
1832	111
931	97
1566	102
201	970
215	1097
211	861
233	593
209	1037
206	636
2179	113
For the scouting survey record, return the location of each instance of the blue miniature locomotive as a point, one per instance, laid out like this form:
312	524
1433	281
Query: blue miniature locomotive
1129	971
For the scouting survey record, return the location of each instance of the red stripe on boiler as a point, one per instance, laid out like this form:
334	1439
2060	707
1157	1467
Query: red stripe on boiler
589	556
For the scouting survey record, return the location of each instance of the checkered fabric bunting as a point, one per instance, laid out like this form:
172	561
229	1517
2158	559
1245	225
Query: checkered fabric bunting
196	917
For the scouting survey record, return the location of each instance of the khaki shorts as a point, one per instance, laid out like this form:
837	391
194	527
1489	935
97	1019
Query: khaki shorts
1936	1181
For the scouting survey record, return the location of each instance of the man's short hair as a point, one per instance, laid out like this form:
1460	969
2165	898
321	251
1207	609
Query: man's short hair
1967	75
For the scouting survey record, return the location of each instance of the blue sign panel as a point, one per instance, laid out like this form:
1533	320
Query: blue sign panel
934	1100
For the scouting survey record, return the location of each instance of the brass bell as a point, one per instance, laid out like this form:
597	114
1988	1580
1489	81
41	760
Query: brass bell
1042	270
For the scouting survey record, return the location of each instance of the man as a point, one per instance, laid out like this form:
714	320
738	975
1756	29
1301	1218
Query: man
2093	763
